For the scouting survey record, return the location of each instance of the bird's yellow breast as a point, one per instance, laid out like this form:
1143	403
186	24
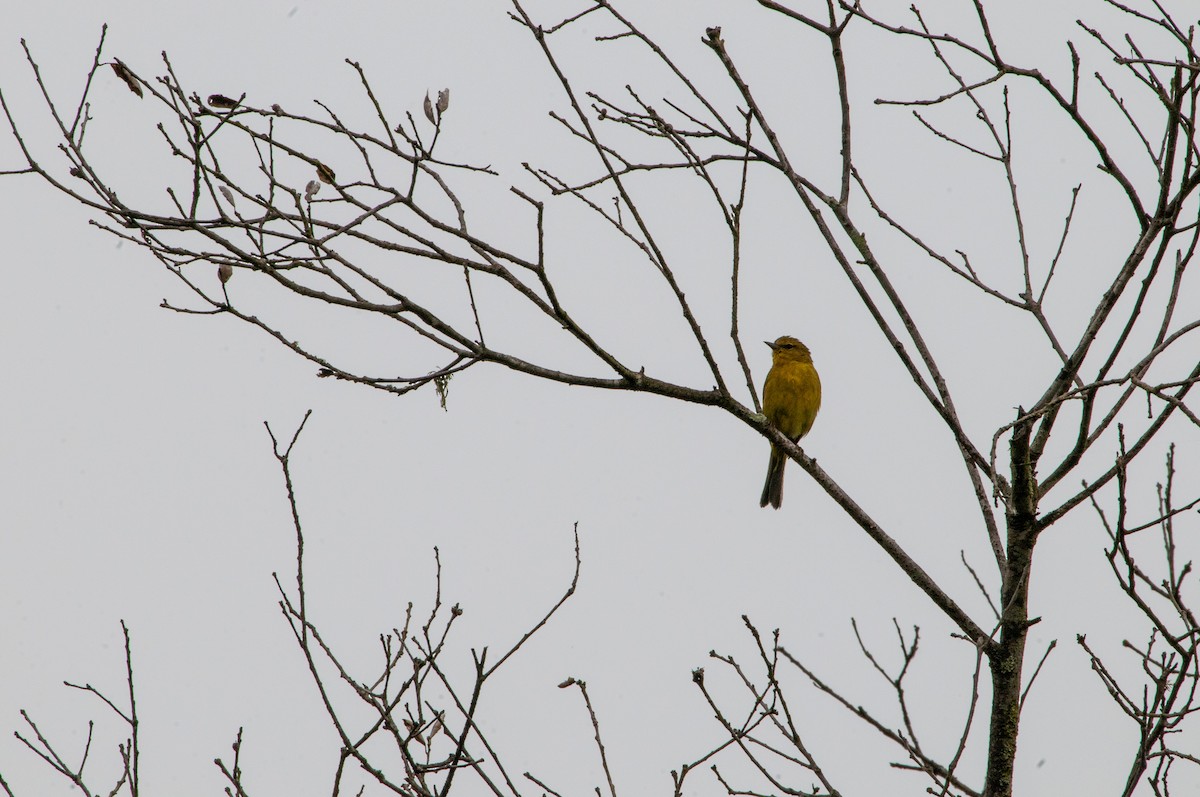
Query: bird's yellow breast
792	396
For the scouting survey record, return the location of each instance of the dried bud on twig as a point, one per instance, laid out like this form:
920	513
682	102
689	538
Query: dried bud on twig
76	172
311	190
277	108
224	272
566	683
124	73
221	101
411	727
225	192
443	101
325	173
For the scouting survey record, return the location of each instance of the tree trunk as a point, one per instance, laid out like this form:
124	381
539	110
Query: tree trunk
1008	656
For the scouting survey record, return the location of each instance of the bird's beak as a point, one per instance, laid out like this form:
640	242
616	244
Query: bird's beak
770	345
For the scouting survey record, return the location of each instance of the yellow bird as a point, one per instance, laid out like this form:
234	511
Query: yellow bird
791	398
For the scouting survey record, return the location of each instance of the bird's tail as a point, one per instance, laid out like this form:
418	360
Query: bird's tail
773	488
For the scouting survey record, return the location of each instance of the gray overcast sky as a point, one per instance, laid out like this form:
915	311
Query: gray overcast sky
137	482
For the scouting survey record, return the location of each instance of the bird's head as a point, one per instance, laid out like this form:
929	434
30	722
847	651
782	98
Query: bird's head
788	349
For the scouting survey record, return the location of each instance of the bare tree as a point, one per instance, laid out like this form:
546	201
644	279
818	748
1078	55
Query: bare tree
1122	382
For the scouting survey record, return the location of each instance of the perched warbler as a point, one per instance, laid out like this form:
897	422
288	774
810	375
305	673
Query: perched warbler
791	398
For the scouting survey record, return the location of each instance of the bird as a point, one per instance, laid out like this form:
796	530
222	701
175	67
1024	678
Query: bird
791	399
